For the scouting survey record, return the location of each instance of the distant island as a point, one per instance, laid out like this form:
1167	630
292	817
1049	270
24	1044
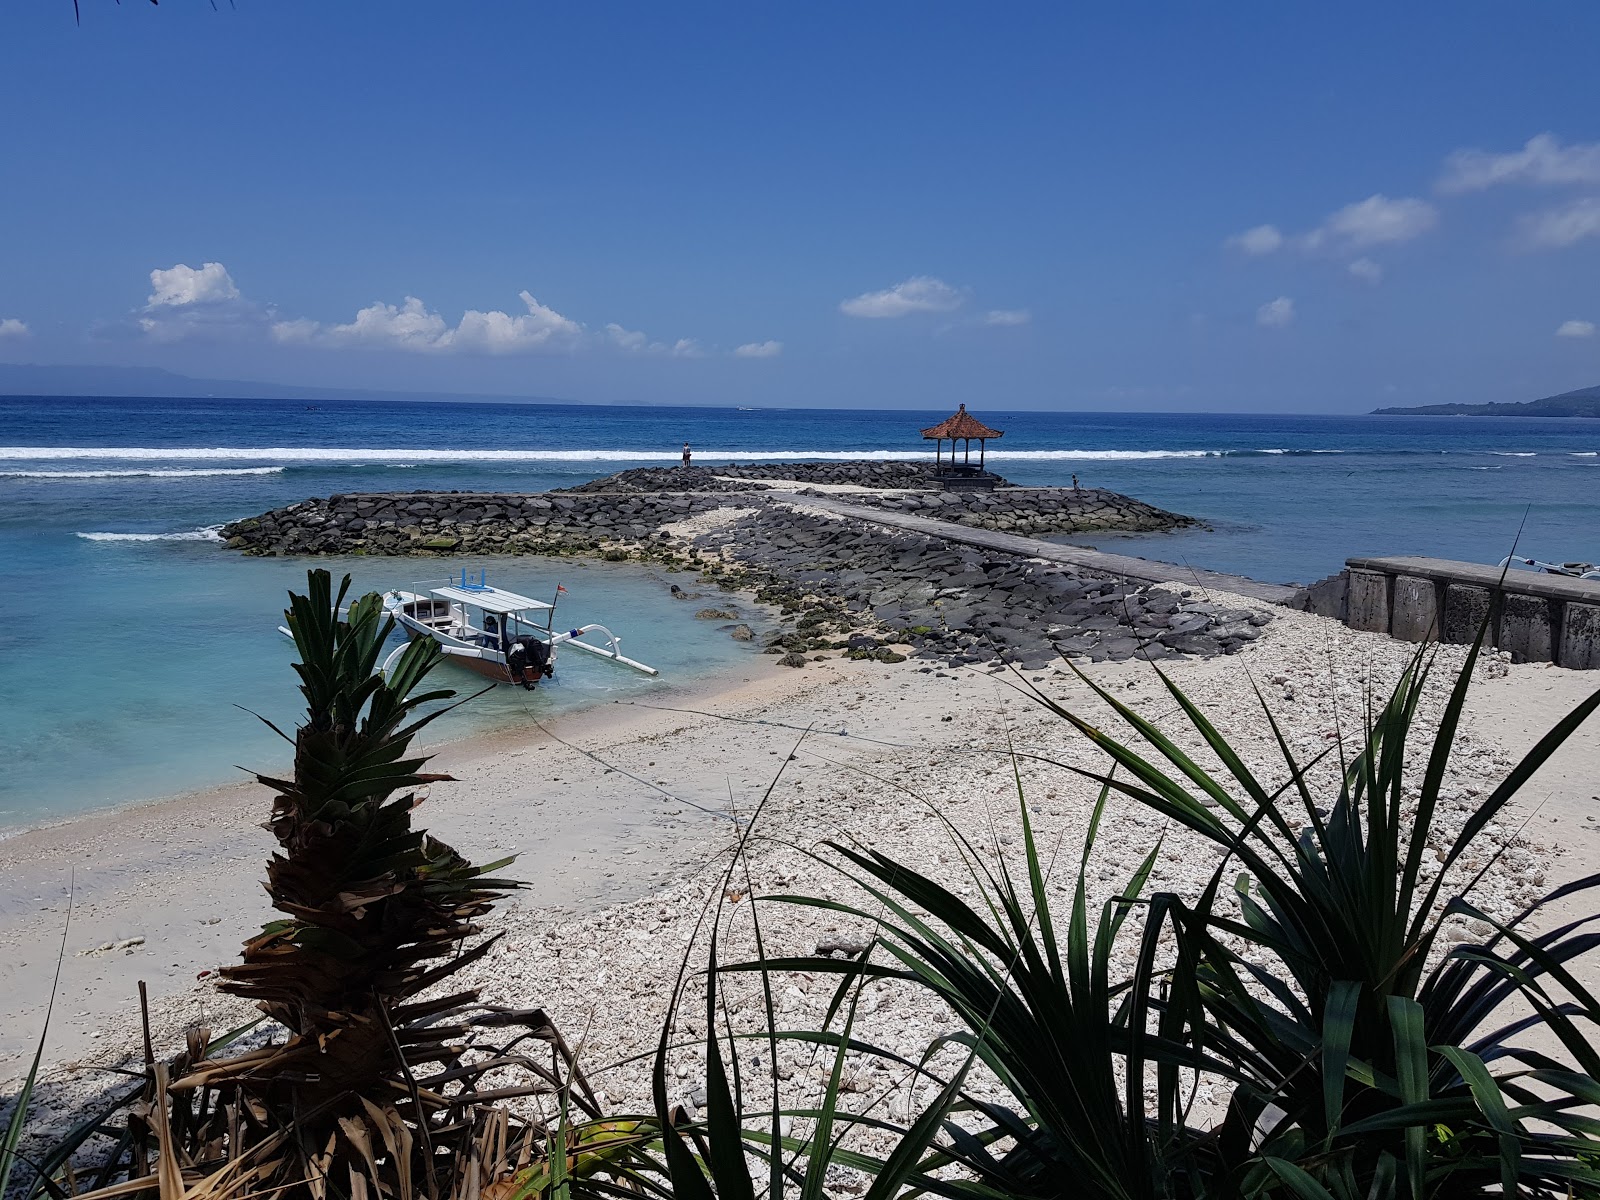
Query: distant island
1585	402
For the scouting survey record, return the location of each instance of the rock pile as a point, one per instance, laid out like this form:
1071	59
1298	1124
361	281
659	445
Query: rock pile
622	521
463	523
661	479
859	473
845	584
954	603
1033	510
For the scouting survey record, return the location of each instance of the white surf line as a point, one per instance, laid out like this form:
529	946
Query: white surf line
411	455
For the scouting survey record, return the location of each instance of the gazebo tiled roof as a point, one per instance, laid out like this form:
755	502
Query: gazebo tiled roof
962	425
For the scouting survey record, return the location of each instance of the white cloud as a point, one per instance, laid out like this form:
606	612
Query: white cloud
768	349
495	332
183	285
409	326
299	331
1576	329
1542	160
412	326
1366	270
920	293
1007	316
1263	239
204	302
1556	227
634	341
11	328
626	339
1275	314
1375	221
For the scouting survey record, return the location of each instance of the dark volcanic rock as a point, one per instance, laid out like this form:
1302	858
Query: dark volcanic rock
851	585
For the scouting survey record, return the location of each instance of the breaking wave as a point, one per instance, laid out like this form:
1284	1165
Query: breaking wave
148	473
410	456
208	534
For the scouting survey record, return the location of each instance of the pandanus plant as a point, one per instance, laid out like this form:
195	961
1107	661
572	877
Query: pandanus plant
373	1089
376	911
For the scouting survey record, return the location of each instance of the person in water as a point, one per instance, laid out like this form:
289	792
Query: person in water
686	454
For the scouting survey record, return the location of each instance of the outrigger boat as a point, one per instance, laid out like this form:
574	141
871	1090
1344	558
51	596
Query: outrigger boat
1572	570
499	634
506	637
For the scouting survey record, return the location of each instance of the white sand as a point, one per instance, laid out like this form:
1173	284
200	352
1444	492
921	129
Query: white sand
621	863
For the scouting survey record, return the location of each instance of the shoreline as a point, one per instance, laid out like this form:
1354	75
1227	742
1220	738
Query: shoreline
621	847
102	855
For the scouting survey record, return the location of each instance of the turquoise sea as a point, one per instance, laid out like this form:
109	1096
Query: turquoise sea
133	641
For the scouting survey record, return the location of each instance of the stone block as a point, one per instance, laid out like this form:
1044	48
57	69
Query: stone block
1465	609
1580	637
1369	601
1414	609
1526	628
1328	597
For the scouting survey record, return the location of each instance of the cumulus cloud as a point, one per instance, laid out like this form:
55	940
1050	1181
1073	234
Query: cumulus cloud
626	339
203	301
1557	227
1542	160
920	293
1006	316
1366	270
190	301
1375	221
1275	314
412	326
14	329
182	285
1576	329
768	349
1263	239
633	341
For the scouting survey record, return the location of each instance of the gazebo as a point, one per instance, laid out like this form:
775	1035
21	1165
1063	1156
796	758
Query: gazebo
963	427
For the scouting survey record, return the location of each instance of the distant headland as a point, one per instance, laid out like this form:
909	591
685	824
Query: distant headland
1585	402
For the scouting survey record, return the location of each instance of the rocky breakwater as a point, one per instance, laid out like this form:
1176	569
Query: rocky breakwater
442	523
843	584
890	473
870	591
1032	511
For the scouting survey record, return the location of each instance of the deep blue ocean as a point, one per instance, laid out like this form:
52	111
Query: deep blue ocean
131	635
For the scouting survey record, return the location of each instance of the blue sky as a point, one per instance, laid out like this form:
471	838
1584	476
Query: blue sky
1243	207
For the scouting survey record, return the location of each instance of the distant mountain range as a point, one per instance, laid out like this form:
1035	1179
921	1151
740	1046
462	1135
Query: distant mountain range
27	379
1585	402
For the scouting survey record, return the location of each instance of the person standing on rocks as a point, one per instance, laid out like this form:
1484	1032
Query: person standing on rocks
686	454
1074	483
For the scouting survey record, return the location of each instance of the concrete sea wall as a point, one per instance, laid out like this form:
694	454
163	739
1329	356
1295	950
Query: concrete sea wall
1536	618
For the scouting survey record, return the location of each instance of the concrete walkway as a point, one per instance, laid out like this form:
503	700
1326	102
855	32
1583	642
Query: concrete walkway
1143	569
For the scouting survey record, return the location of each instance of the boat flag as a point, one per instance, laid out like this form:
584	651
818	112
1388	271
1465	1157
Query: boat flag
559	589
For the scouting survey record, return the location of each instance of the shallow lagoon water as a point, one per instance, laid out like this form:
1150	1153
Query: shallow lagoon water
157	649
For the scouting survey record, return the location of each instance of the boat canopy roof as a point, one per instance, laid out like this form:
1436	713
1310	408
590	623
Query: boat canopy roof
494	600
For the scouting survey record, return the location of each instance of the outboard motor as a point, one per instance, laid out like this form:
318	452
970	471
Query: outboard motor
528	660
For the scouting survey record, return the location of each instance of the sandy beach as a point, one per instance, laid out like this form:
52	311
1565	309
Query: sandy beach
621	820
